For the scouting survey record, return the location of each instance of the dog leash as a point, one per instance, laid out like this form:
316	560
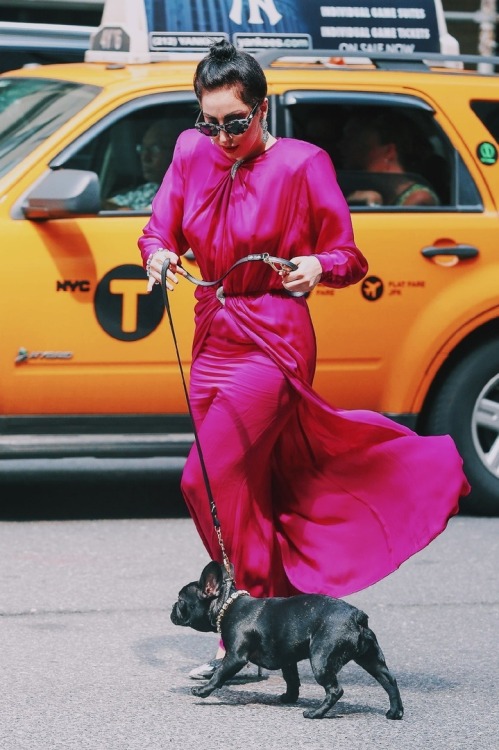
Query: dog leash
276	264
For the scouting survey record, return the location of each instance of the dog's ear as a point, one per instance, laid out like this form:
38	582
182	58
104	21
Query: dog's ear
211	580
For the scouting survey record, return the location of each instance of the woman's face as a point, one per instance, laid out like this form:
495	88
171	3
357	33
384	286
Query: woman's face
223	105
155	152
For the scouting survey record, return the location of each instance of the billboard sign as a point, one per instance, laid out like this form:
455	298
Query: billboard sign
181	26
404	25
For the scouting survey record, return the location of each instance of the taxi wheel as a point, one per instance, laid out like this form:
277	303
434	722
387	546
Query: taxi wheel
467	407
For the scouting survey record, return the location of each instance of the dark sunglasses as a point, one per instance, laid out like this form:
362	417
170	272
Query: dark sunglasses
234	127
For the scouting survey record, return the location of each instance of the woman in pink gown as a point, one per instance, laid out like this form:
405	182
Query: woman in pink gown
310	498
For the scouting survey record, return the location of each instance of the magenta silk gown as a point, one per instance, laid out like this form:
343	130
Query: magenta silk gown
311	498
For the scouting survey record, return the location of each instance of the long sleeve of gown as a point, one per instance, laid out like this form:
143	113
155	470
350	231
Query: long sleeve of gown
286	201
342	262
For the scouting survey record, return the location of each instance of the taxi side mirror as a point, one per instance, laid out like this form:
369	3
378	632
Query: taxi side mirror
63	194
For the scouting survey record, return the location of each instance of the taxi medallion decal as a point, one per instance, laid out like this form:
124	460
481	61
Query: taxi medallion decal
487	153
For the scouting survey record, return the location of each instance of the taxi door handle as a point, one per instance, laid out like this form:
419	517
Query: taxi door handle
463	252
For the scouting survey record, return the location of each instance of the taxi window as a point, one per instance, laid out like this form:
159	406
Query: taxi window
31	109
393	158
131	154
488	112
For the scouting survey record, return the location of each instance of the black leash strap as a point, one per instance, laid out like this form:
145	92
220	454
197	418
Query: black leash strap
277	264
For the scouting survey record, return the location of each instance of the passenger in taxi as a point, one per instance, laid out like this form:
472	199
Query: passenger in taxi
386	143
155	152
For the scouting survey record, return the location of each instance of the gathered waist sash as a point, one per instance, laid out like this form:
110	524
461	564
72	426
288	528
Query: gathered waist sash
221	294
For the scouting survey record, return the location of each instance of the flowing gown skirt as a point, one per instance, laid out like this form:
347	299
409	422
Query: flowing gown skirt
310	498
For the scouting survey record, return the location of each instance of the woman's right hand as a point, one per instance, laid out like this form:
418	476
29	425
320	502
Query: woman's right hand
155	264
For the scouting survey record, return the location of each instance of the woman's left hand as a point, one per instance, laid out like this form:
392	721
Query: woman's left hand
306	277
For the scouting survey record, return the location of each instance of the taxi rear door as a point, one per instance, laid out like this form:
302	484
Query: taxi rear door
376	340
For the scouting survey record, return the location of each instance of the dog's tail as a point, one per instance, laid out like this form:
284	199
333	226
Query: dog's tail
361	619
366	635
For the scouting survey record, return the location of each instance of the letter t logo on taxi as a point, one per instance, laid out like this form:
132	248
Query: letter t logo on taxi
130	290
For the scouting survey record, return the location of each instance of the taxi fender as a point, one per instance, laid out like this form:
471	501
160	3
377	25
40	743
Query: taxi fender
426	346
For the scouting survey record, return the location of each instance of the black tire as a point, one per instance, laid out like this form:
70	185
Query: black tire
473	383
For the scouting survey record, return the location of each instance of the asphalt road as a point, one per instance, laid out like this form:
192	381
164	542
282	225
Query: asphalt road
90	659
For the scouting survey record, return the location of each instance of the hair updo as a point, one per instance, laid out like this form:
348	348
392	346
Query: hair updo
225	67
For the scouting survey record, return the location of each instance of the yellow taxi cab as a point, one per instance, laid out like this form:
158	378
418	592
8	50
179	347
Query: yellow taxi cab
84	348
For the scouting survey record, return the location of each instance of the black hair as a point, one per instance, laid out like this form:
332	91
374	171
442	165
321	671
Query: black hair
225	66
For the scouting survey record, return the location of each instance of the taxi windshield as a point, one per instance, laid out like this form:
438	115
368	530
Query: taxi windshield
31	109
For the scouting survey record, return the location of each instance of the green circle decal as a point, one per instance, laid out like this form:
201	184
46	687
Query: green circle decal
487	152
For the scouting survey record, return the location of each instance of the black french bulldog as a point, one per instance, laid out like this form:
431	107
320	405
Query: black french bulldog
276	633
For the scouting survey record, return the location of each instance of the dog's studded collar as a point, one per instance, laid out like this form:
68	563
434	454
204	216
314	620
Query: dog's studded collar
232	598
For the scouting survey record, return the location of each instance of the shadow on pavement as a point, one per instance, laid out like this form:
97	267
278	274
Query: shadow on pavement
87	496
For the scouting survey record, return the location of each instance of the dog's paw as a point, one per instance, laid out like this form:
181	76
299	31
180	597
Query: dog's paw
289	697
309	714
395	713
201	692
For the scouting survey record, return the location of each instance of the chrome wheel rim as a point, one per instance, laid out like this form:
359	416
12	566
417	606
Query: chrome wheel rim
485	426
